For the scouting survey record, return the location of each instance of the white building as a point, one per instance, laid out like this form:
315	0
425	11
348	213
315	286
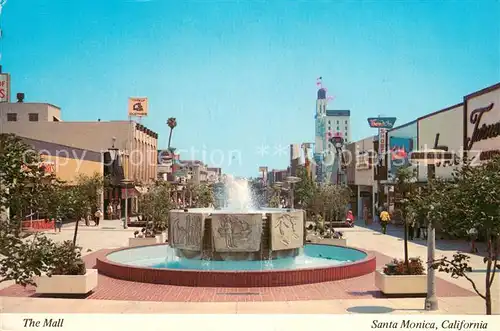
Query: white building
338	123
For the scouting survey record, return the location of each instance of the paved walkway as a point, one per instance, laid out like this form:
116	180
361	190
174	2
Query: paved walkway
112	235
355	288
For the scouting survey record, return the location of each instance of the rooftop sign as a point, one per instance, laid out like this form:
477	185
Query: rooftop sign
381	122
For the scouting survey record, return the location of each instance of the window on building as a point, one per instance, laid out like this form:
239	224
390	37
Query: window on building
329	128
338	129
345	122
329	122
11	117
33	117
346	128
338	122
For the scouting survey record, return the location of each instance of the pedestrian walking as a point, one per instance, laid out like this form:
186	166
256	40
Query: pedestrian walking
97	216
58	224
473	237
385	218
109	211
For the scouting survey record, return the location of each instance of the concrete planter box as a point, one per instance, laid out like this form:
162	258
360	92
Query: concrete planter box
134	242
67	284
162	237
401	284
336	242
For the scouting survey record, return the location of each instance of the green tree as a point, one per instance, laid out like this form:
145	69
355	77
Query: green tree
405	182
330	201
471	201
23	188
76	200
305	189
23	181
203	195
156	204
274	196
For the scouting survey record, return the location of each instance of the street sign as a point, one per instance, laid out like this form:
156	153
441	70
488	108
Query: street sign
381	122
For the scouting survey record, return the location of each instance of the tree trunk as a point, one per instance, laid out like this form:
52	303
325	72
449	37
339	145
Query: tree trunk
170	138
75	234
490	258
403	214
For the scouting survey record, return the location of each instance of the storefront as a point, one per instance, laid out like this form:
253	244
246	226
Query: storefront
67	164
442	130
401	142
364	179
482	124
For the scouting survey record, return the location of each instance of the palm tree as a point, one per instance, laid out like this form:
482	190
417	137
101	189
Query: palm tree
172	123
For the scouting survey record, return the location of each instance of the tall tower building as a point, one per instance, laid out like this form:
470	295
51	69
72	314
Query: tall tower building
329	123
320	141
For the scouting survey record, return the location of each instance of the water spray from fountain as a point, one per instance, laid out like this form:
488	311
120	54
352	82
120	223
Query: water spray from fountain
239	194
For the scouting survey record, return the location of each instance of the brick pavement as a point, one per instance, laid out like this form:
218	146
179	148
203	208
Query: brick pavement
355	288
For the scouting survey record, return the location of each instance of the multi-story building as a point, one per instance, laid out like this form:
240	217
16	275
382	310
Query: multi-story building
135	144
214	174
338	123
329	123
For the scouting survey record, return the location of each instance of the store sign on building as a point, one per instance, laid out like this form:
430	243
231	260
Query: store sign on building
381	122
138	107
363	161
482	138
442	131
382	144
4	88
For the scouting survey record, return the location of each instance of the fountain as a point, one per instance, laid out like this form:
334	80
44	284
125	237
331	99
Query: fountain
241	245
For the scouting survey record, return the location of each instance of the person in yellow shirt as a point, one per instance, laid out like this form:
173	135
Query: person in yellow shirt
385	218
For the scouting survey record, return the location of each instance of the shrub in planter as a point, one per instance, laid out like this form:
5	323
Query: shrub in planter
398	267
67	273
66	259
398	279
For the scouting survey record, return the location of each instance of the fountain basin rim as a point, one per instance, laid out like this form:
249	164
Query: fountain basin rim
367	257
235	278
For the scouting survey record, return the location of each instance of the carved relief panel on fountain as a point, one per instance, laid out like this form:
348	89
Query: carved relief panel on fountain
186	230
237	232
287	230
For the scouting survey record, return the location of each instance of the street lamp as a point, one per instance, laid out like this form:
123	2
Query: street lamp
338	143
111	169
125	184
292	180
431	157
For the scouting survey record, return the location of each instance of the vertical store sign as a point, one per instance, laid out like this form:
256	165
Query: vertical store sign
4	88
382	144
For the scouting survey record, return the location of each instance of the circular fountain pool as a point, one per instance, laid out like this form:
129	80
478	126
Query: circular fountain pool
159	264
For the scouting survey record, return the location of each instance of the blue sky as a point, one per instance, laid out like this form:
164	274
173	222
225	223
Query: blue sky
241	74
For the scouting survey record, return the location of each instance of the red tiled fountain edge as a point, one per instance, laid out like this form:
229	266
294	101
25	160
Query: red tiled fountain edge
264	278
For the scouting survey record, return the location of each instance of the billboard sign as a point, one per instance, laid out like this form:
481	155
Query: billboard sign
4	88
138	107
401	149
381	122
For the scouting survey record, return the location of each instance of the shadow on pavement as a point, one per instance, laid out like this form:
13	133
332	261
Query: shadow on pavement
370	310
